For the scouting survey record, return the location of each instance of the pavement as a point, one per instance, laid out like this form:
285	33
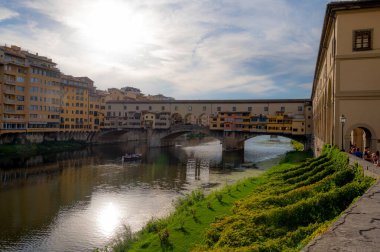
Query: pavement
358	229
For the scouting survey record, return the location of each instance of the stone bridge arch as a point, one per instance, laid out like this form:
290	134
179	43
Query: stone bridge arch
231	140
123	135
166	137
235	140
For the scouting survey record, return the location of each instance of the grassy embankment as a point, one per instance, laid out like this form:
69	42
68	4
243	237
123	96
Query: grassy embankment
28	150
280	210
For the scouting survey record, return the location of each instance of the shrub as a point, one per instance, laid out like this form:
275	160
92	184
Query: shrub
163	235
283	213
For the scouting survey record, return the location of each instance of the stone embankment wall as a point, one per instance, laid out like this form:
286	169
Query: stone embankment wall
89	137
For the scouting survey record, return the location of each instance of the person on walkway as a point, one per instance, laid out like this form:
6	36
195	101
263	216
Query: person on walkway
358	153
367	154
375	158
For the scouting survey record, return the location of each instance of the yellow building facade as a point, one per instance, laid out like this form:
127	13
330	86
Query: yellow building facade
30	88
75	104
346	86
37	98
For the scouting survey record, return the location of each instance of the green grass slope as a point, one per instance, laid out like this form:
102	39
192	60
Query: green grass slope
281	210
295	203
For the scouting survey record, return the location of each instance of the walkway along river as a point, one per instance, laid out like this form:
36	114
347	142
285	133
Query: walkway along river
81	200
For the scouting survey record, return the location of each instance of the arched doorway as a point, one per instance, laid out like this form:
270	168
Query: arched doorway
176	119
190	119
204	120
361	137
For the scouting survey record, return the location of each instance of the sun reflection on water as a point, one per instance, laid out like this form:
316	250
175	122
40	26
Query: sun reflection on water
108	219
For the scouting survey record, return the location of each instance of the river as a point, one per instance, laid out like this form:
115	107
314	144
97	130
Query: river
76	201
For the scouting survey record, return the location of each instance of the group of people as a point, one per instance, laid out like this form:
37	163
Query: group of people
367	155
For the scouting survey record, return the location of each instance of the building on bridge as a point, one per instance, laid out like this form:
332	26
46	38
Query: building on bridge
347	77
280	117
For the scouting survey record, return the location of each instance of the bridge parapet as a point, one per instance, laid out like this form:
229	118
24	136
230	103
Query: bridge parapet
187	127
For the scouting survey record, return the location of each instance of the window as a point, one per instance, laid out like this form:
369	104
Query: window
19	88
137	108
163	108
265	108
234	109
33	107
150	107
125	107
362	40
218	109
20	107
282	109
20	79
299	108
109	106
34	89
190	108
204	108
20	98
249	109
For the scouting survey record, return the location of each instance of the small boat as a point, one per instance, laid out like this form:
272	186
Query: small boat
131	157
248	165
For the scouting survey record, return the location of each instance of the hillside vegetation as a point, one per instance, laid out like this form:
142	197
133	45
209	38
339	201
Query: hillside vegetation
281	210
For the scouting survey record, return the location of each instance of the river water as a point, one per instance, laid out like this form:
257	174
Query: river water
76	201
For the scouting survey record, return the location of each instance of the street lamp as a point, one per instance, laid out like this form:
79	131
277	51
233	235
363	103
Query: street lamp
342	120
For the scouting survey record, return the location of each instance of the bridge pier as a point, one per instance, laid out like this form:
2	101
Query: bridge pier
308	143
232	142
153	138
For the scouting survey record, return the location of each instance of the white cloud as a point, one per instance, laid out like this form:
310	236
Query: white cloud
179	48
7	13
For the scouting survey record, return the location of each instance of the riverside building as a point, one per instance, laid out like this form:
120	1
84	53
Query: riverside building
75	103
37	98
346	87
30	100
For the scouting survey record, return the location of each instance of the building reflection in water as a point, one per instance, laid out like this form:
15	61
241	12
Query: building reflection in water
80	200
198	169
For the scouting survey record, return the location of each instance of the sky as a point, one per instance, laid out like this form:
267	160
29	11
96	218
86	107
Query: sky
186	49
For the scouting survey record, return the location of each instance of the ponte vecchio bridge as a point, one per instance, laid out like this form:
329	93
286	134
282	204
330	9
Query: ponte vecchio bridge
230	121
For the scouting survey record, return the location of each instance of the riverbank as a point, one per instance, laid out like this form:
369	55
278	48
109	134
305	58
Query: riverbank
282	209
30	150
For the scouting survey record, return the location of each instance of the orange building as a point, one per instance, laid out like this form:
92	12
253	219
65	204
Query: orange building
30	92
36	97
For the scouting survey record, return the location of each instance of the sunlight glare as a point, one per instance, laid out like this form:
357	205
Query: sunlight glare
116	26
108	219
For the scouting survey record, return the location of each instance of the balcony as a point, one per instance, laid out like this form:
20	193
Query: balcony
16	62
9	110
9	90
9	101
14	119
9	81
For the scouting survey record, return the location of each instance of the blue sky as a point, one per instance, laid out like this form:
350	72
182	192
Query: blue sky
217	49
